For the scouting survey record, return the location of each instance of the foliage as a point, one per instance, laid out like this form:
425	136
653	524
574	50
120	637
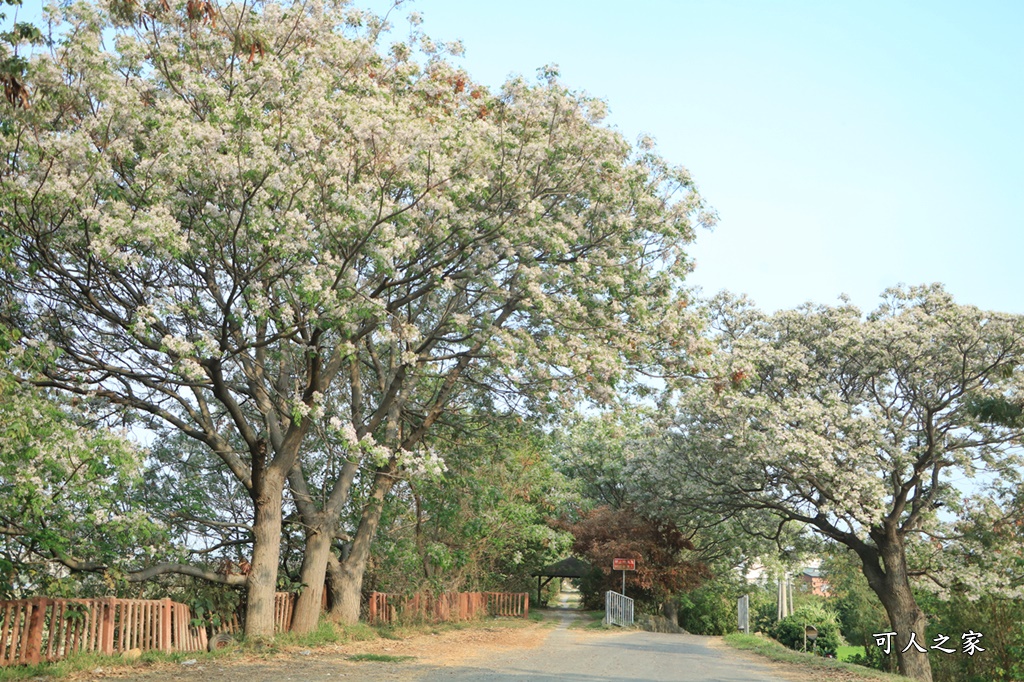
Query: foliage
242	219
13	63
790	630
659	549
861	429
709	609
600	455
810	665
66	485
1001	623
212	605
595	452
481	526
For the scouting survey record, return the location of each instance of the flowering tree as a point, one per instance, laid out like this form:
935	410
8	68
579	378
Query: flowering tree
230	219
863	430
65	488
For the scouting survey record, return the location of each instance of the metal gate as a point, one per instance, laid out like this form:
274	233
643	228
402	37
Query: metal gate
618	609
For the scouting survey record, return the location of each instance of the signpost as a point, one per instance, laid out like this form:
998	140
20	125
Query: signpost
623	565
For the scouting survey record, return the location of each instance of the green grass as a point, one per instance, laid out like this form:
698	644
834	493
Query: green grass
328	633
845	653
380	658
81	663
775	651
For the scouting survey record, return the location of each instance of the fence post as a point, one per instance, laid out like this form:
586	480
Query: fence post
34	637
165	625
373	607
107	608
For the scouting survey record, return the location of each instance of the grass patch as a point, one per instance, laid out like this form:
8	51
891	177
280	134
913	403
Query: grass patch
589	620
380	658
83	663
406	630
771	649
845	653
328	633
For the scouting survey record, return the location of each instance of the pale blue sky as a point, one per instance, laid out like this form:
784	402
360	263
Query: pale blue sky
847	146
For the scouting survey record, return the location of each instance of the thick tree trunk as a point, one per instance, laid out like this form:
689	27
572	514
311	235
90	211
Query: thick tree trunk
314	570
670	610
321	526
892	585
266	552
333	586
906	618
347	581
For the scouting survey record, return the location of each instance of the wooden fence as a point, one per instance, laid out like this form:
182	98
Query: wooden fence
515	604
284	607
390	608
42	629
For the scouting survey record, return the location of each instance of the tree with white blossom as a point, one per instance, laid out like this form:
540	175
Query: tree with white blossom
66	482
239	220
864	430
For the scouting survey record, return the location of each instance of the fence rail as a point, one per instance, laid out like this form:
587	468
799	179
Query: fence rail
514	604
284	608
618	609
448	606
43	629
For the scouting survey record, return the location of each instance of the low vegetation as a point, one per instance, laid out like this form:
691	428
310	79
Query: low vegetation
769	648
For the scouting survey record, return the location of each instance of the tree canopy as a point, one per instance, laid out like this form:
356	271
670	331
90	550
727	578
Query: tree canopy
862	429
238	220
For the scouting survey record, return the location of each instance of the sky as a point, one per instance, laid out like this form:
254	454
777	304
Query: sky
846	146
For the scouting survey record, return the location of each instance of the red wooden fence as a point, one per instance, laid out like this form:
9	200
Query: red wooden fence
508	603
448	606
284	607
42	629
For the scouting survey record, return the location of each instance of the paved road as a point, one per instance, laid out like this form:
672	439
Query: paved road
571	656
566	655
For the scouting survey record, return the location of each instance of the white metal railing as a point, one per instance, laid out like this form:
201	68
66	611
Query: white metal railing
618	609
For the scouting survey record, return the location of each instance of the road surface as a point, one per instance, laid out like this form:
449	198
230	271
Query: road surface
581	656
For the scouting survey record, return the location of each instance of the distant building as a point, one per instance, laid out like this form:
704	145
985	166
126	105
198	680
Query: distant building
814	582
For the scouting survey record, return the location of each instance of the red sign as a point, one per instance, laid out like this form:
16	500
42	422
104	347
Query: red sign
623	564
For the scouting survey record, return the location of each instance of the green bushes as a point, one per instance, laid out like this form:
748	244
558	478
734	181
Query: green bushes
790	630
708	610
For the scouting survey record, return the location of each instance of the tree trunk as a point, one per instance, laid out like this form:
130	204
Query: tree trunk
906	617
334	581
321	525
347	581
313	573
670	610
893	589
266	552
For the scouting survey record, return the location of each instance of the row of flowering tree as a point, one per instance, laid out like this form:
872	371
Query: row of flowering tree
246	222
895	436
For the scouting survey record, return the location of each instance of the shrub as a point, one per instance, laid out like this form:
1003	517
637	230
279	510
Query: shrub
790	630
708	610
